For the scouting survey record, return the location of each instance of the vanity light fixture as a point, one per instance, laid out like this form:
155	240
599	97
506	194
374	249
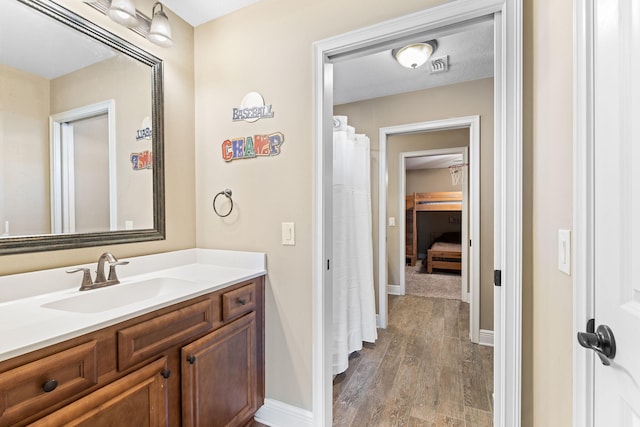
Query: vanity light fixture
160	31
123	12
415	54
156	30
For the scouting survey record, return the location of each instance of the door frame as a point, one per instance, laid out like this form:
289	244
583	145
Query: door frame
62	173
507	191
471	206
400	288
583	210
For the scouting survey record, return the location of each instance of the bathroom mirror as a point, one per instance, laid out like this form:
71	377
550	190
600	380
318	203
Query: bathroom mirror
81	133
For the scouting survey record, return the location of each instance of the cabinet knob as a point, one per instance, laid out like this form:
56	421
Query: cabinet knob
166	373
49	386
191	359
242	301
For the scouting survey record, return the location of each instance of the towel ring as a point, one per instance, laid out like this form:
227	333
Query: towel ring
227	193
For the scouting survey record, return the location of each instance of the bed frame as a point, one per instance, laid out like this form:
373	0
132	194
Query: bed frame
427	202
444	260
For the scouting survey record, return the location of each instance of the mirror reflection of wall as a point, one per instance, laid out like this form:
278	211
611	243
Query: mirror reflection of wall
39	80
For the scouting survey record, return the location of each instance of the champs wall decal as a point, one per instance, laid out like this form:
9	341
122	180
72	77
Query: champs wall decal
252	146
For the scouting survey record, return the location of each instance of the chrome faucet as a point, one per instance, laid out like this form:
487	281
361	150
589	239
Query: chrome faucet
101	280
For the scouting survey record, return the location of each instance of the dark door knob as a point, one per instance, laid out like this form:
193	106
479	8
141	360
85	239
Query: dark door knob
601	341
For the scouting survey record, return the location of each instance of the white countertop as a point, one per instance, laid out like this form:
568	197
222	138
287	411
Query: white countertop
25	325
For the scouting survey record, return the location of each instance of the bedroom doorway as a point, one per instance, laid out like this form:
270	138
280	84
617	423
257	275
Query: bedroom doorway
436	209
472	232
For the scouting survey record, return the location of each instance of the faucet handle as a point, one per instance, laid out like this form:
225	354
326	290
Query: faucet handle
87	283
113	277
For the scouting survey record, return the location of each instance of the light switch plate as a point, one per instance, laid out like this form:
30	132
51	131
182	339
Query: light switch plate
288	234
392	221
564	251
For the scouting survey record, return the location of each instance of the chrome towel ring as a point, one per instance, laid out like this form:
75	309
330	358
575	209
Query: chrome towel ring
227	193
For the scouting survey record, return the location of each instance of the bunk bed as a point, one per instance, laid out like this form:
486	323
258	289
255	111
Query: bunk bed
444	255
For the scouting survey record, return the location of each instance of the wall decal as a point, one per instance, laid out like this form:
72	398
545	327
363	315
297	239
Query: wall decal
142	160
252	146
145	130
252	109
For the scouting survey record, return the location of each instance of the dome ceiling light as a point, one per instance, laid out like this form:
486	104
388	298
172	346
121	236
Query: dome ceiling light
415	54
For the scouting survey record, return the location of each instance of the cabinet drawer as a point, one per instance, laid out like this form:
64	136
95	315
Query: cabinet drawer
28	389
148	339
238	302
138	399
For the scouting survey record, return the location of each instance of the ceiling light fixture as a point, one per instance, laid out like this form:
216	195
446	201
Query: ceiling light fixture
415	54
123	12
160	31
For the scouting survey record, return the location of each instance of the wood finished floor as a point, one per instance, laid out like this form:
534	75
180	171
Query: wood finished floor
422	371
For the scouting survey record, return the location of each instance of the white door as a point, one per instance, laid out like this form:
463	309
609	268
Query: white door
616	184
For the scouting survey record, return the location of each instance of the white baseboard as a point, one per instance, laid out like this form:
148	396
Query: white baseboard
466	297
486	337
279	414
394	290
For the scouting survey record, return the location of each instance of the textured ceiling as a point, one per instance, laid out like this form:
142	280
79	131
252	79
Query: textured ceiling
469	50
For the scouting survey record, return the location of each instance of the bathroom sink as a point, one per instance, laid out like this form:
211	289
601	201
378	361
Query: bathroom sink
108	298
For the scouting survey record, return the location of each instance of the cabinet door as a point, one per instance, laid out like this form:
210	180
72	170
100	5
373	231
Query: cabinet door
139	399
219	376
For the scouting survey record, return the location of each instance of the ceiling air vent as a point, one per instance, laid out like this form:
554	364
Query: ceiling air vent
439	65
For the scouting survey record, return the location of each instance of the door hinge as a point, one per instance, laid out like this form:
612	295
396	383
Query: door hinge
328	267
497	277
469	242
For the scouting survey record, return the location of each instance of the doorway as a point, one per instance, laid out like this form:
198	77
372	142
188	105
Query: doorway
472	202
83	169
507	179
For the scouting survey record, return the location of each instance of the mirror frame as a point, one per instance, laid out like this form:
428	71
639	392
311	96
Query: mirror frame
50	242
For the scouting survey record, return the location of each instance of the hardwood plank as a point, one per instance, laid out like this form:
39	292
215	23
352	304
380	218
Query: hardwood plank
380	390
486	354
446	421
342	380
451	309
477	418
347	404
451	397
474	385
463	321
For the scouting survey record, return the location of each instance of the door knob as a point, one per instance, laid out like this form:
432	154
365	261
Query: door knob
601	341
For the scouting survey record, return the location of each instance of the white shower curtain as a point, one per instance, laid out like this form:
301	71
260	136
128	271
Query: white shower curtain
354	316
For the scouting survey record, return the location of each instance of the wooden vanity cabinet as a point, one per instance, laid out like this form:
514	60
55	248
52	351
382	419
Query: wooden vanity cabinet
196	363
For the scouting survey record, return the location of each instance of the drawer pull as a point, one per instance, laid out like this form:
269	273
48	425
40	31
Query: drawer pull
49	386
166	373
191	359
242	301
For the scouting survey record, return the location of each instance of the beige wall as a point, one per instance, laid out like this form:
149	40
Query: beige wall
128	83
548	120
464	99
179	149
24	150
430	180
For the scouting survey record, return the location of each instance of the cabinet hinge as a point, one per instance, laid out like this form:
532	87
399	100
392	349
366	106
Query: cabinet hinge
497	277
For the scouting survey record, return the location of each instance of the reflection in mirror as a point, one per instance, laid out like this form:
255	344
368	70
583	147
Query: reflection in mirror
80	133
